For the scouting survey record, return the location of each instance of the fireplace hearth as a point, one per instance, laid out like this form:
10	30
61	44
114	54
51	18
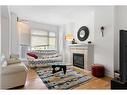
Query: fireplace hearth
78	60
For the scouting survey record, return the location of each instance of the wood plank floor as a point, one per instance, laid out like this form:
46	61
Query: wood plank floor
34	82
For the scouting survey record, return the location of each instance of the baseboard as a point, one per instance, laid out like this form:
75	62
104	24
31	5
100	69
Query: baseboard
109	74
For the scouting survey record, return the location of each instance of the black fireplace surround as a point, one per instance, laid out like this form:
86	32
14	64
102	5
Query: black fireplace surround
78	60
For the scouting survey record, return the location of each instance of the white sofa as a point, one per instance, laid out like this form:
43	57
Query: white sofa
45	58
13	75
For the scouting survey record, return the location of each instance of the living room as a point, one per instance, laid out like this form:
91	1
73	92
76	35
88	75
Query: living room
27	29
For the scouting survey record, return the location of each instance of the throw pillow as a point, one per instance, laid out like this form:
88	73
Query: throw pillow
32	55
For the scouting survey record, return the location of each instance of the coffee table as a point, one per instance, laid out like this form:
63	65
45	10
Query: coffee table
61	66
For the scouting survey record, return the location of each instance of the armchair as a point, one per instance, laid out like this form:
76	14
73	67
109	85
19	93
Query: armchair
13	75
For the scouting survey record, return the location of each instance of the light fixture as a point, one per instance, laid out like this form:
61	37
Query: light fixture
102	30
22	20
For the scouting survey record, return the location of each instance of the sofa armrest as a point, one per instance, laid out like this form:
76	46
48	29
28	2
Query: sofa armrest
14	68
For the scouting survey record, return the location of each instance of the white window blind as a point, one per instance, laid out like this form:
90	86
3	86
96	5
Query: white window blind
41	40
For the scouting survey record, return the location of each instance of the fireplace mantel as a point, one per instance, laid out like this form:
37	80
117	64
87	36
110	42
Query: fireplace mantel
79	45
87	50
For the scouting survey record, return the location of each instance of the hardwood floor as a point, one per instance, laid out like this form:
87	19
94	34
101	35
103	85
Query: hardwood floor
34	82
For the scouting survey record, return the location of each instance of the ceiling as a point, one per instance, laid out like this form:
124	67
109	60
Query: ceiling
51	14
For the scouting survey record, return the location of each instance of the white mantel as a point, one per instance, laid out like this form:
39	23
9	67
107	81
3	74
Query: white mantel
87	50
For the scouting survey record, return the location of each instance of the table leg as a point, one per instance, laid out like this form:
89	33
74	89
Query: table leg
64	69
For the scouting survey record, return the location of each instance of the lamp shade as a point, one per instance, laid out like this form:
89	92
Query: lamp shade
69	37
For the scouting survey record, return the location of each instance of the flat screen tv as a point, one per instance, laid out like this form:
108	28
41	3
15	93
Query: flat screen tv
123	55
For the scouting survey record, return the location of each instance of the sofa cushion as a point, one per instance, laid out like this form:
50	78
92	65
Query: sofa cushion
32	55
15	68
30	58
13	61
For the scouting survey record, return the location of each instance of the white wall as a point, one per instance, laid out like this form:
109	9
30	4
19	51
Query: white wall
84	19
78	20
104	49
5	31
120	24
43	26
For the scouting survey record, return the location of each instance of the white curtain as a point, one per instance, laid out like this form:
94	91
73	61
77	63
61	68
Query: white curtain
4	31
14	34
24	50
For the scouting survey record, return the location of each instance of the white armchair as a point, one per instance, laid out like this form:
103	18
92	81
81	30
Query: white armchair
13	75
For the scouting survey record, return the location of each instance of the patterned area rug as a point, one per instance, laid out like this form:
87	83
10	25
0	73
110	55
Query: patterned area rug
71	79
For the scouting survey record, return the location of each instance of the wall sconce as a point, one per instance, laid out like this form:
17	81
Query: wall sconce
22	20
102	30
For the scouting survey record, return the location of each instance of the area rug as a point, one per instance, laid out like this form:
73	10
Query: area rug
59	80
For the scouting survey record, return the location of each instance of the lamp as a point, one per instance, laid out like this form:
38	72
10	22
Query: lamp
69	37
102	30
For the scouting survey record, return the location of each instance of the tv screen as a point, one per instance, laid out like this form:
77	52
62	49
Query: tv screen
123	55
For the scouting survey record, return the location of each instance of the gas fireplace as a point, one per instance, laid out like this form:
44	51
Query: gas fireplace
78	60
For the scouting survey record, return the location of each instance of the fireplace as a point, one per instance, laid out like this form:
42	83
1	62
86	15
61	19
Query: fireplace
82	55
78	60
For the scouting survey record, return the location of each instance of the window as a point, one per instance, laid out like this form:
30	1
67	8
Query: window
52	40
41	40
